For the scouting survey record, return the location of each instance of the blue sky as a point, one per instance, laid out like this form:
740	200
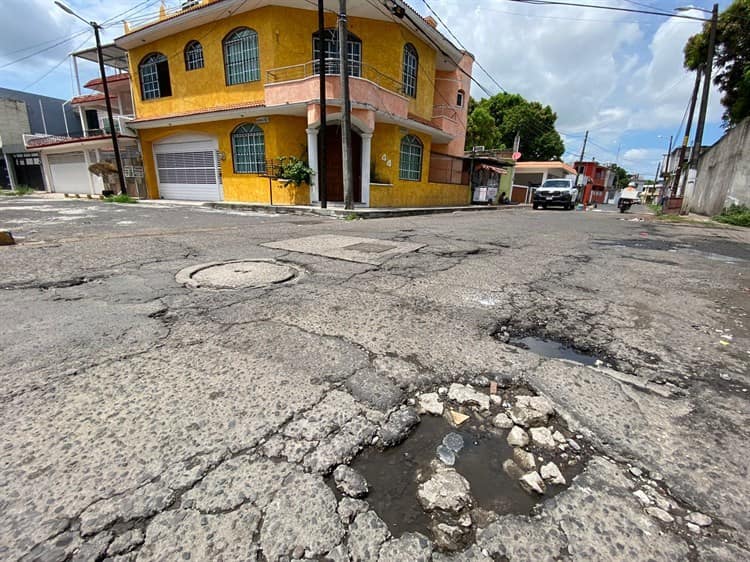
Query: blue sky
617	75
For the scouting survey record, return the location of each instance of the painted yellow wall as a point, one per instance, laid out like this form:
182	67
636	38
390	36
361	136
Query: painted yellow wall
284	136
284	39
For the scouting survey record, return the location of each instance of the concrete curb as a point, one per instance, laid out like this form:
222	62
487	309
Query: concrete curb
356	213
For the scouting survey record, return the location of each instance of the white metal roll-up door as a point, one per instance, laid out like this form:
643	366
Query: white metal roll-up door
188	170
69	173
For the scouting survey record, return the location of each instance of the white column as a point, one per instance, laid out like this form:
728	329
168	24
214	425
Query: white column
47	173
366	149
81	114
312	158
87	163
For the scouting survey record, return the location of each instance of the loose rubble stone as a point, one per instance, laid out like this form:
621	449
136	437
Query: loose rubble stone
464	394
349	508
457	418
635	471
693	528
659	514
350	482
446	490
399	423
532	482
642	497
374	389
551	473
524	459
303	513
574	445
126	542
442	391
699	519
6	238
531	410
542	437
502	421
447	537
454	442
445	455
558	437
512	469
430	403
366	534
517	437
414	547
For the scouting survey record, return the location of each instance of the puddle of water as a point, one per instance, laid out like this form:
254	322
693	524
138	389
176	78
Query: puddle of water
552	349
392	474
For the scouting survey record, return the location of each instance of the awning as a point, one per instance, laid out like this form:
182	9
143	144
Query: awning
113	56
495	169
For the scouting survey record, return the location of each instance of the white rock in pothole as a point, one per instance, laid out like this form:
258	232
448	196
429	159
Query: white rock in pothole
642	497
502	421
551	473
693	528
512	469
542	437
446	455
465	394
524	459
350	482
659	514
517	437
454	441
446	490
558	437
430	403
699	519
531	410
532	482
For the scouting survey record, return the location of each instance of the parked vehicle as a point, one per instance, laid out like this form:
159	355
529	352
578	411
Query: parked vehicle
562	192
628	197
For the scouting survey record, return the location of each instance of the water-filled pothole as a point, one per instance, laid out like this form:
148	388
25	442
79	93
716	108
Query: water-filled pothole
553	349
399	477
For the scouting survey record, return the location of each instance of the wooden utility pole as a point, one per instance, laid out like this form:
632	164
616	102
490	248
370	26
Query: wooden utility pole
580	161
686	138
322	155
346	109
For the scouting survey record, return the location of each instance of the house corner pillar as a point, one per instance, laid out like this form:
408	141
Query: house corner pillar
366	150
312	158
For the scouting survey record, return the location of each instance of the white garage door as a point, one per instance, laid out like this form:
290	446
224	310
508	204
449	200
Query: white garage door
69	173
188	170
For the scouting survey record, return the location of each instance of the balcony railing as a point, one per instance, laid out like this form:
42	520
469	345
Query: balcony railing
121	127
357	70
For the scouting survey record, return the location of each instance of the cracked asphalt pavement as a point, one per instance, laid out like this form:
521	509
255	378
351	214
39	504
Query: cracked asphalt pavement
146	420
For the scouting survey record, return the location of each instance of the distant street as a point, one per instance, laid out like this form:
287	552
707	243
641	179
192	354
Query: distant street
149	417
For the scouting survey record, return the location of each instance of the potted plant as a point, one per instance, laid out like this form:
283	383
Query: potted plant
293	170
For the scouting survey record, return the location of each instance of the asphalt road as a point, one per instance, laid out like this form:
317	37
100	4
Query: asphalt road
143	419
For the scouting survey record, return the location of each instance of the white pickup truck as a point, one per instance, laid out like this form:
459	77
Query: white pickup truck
556	192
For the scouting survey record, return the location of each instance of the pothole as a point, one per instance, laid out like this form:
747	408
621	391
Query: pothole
240	274
553	349
477	457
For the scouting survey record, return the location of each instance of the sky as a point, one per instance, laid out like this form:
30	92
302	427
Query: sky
617	75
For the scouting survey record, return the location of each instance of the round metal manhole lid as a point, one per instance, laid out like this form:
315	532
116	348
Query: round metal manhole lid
246	274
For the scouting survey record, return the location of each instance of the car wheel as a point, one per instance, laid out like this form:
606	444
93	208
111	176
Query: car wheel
544	207
535	206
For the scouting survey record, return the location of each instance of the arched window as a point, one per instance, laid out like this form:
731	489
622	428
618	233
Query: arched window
193	56
410	165
411	66
154	75
331	47
241	56
460	98
248	149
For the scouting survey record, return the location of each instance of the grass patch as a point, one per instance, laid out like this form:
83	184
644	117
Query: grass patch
351	217
656	208
121	198
737	215
19	191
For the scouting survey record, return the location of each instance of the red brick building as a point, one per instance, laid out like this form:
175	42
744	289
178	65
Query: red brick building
600	181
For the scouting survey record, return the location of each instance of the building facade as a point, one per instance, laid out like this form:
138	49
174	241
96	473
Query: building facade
222	92
601	183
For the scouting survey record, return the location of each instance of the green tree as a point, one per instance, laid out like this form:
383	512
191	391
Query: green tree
512	114
621	176
732	60
481	130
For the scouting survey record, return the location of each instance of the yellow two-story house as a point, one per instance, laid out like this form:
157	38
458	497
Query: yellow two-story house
225	88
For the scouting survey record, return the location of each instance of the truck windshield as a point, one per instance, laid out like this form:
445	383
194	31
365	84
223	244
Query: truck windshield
556	183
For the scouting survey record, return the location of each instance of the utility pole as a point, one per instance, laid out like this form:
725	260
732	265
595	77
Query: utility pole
580	160
698	142
322	185
346	109
686	138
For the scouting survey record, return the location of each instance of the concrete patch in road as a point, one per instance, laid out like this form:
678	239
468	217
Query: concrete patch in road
348	248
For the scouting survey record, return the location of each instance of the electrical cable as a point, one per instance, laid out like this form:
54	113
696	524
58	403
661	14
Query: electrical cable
56	66
40	51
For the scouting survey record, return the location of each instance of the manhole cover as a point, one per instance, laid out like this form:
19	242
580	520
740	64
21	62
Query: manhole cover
246	274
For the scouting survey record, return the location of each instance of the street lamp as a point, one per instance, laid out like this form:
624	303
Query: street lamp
698	142
107	101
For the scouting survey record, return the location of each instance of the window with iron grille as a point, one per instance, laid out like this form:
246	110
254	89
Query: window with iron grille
411	66
248	149
193	56
154	75
331	48
241	56
410	164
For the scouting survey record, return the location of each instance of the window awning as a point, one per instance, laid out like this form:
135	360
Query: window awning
495	169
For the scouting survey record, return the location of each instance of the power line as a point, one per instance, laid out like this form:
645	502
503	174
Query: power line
40	51
56	66
610	8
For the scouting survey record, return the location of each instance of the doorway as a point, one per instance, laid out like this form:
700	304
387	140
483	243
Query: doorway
334	163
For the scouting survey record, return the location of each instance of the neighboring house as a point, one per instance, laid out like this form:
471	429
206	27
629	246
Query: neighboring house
602	181
492	174
22	113
723	177
529	175
66	157
224	90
